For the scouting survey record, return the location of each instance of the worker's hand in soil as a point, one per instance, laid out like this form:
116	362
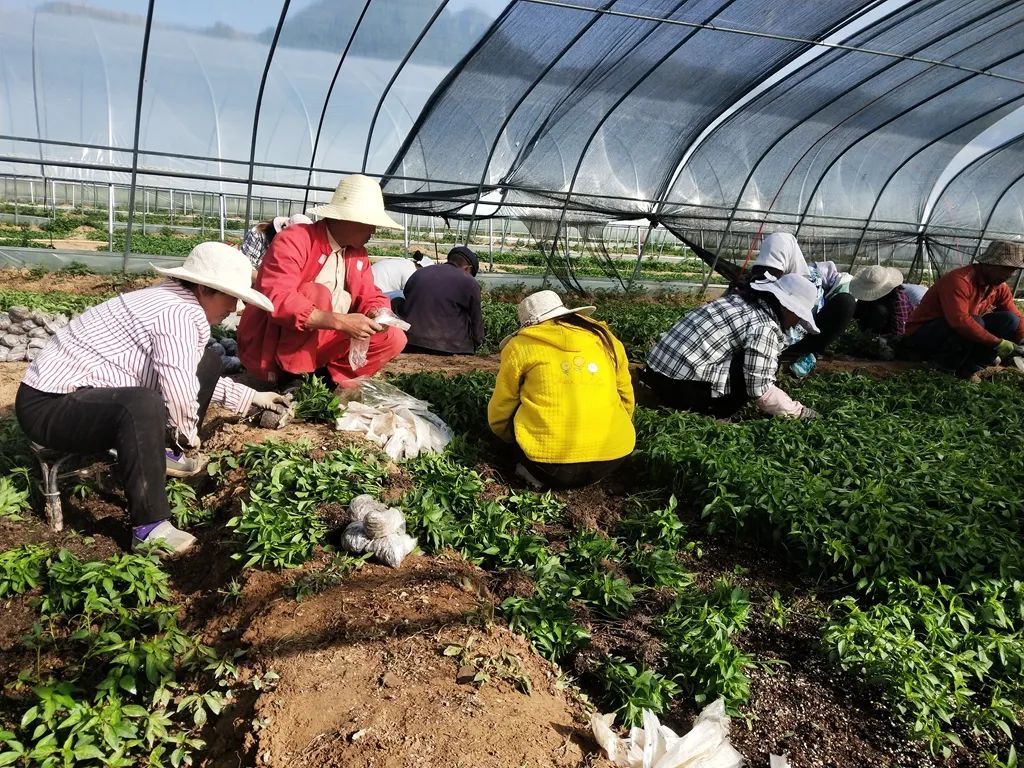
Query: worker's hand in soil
357	325
272	401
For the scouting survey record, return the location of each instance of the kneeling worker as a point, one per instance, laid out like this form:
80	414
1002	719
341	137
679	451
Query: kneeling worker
319	280
727	352
442	304
968	318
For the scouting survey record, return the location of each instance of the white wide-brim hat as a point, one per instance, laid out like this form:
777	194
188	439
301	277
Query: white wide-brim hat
541	306
357	198
223	268
874	282
794	292
283	222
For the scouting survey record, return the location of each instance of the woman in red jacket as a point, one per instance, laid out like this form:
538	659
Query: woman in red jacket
318	277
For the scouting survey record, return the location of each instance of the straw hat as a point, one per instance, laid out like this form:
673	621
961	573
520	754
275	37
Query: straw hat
874	282
542	306
223	268
283	222
357	198
1003	253
794	292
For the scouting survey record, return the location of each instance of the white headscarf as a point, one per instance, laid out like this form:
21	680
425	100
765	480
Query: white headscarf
780	250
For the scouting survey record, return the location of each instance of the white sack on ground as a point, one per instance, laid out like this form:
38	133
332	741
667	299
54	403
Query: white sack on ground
778	761
657	746
401	424
378	529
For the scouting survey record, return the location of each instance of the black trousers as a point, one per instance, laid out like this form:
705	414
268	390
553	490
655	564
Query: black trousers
688	395
560	477
831	320
132	420
937	341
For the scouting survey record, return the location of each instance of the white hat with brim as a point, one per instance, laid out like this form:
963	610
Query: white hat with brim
542	306
358	198
795	293
223	268
283	222
874	282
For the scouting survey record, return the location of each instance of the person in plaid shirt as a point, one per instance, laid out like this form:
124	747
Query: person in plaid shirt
258	239
725	353
883	307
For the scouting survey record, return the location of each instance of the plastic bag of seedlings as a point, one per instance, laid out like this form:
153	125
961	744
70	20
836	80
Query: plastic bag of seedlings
402	424
657	746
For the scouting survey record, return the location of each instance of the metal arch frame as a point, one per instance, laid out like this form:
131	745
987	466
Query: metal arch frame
35	97
598	13
441	90
893	118
995	206
327	99
779	139
138	127
394	76
519	102
918	151
974	164
611	110
259	105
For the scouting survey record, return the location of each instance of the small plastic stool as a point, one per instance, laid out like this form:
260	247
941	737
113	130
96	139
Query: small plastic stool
51	466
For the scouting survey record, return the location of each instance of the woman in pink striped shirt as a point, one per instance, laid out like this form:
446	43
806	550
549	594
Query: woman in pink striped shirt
128	371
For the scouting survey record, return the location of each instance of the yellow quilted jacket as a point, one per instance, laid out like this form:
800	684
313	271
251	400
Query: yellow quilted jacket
561	398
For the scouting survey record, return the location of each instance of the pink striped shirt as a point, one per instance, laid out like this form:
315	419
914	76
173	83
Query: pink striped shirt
152	338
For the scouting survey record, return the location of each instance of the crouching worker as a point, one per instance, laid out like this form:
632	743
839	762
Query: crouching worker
319	280
563	395
130	372
727	352
968	318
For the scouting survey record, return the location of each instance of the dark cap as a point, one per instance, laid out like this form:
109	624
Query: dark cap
468	255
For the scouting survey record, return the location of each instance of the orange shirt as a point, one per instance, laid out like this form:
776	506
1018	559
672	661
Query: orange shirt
958	297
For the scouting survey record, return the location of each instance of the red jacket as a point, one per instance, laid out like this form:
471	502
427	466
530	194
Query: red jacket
296	256
958	296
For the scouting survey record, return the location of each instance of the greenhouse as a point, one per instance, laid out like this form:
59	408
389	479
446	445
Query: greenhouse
540	383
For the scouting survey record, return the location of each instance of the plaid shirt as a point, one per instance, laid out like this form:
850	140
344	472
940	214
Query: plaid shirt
901	309
254	246
700	346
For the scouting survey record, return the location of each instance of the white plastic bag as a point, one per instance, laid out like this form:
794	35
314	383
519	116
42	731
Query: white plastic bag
362	505
657	746
391	550
386	317
403	425
354	538
357	351
383	522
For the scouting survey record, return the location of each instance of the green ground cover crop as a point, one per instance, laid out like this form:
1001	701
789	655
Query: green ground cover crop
131	687
905	496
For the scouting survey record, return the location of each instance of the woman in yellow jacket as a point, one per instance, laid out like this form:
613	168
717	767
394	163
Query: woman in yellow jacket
563	395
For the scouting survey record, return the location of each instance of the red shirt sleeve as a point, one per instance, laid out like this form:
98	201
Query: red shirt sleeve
280	276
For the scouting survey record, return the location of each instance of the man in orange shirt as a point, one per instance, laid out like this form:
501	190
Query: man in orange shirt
968	318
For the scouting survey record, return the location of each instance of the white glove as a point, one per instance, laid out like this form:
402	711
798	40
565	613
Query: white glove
272	401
